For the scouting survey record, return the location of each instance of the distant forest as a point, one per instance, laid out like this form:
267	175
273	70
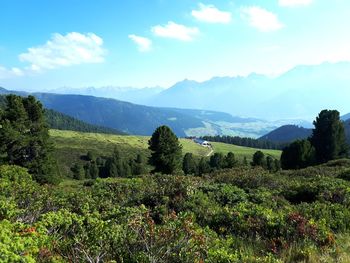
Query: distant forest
247	142
60	121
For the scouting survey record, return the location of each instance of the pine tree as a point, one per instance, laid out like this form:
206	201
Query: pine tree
298	154
78	172
166	151
93	170
189	164
203	166
217	161
230	160
138	165
24	138
328	137
270	164
259	159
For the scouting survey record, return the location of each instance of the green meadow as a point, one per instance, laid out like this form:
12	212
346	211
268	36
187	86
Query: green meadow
71	147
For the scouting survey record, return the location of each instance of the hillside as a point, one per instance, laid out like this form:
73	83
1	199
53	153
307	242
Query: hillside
287	133
71	147
60	121
143	120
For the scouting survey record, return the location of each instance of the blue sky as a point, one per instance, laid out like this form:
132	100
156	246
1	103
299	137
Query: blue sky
49	44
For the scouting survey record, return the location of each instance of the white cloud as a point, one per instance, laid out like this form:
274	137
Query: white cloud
71	49
291	3
210	14
176	31
261	19
10	73
144	44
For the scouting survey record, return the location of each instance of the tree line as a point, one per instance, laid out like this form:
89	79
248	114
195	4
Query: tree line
115	165
245	141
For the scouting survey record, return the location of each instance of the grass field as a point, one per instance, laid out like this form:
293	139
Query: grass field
241	152
72	146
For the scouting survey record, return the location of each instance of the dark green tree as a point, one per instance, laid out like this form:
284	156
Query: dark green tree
245	161
138	165
203	166
271	164
92	170
217	161
259	159
114	165
298	154
90	156
78	172
24	138
230	160
166	151
328	137
277	165
189	164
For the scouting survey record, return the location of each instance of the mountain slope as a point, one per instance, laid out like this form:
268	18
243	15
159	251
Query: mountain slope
124	116
143	120
60	121
290	133
287	133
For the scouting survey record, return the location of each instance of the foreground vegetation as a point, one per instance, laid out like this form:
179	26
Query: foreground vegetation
171	206
238	215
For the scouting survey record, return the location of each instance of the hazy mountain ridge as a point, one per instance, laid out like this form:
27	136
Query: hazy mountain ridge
130	94
299	93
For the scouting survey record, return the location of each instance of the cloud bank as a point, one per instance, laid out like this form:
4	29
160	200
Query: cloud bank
61	51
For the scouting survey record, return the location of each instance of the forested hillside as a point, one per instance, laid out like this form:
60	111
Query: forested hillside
142	120
287	133
60	121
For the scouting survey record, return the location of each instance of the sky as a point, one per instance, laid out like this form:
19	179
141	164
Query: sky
142	43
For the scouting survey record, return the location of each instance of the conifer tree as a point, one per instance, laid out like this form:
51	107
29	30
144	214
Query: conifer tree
24	138
328	137
189	165
166	151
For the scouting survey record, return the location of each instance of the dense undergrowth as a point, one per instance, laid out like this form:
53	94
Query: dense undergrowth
236	215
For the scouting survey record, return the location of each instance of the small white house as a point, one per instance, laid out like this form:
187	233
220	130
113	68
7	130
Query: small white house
202	142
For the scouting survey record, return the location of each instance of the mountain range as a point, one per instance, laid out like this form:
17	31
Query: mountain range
300	93
193	108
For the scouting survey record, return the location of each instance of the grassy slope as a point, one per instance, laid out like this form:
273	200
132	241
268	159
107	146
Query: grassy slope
71	146
241	151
